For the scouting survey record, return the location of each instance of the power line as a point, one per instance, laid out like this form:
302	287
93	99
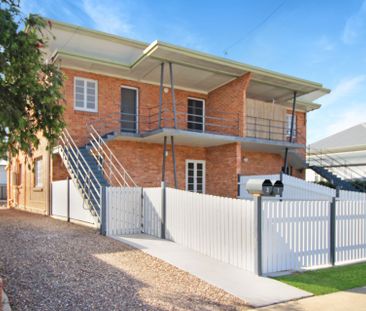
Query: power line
260	24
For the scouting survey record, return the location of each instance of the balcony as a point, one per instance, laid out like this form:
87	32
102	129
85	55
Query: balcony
273	130
197	127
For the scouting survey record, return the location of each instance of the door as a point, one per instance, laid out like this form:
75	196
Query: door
129	117
195	176
195	118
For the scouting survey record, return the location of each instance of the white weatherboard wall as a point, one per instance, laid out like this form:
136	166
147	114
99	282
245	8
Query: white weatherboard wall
350	231
295	235
219	227
124	210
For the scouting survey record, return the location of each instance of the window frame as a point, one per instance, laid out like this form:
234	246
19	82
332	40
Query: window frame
85	108
36	172
203	113
195	162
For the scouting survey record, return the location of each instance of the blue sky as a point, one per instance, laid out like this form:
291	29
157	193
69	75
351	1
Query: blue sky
323	41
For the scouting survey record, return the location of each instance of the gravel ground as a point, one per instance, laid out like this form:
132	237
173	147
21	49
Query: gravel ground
54	265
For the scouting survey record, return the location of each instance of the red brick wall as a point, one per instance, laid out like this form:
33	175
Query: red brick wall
261	163
59	171
222	169
228	101
109	103
144	163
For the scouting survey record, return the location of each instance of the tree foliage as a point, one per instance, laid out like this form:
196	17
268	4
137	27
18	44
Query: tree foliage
30	88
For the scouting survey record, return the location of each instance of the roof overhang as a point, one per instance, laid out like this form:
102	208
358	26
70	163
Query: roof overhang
88	50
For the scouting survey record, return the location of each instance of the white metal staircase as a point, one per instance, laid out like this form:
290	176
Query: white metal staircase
92	168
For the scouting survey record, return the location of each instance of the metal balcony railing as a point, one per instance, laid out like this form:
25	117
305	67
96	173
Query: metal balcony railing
216	122
269	129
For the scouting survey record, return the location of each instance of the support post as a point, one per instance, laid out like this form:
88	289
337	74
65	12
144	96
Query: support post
163	209
258	244
103	212
161	93
164	160
173	94
285	166
163	193
174	162
332	231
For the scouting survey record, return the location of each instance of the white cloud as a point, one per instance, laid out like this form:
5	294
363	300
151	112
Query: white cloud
355	26
343	89
108	17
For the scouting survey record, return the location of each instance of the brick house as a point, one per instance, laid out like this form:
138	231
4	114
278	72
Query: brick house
168	113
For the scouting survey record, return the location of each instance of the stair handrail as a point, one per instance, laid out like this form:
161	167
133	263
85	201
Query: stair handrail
103	151
68	144
322	155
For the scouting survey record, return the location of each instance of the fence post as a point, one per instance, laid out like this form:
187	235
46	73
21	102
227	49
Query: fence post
68	200
163	209
332	231
258	234
103	212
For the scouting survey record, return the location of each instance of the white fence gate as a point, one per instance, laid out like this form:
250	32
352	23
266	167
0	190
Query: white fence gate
295	235
350	231
123	210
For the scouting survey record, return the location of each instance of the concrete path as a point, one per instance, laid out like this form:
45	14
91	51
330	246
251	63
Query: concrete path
255	291
354	299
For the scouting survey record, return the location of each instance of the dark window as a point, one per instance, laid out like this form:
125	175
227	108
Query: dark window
128	110
195	118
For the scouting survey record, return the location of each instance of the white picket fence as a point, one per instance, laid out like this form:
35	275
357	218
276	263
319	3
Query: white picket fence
123	210
350	231
66	198
152	211
219	227
295	235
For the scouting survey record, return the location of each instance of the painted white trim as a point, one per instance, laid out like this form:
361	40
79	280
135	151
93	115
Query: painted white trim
85	95
195	162
203	110
137	102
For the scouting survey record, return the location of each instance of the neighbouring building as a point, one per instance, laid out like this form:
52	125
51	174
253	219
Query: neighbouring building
143	113
342	154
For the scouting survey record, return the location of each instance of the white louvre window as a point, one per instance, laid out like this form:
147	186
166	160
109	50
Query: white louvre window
195	176
38	173
86	95
288	132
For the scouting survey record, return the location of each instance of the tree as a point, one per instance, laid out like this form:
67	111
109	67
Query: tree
30	88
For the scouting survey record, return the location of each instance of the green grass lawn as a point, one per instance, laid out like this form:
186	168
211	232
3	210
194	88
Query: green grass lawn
325	281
